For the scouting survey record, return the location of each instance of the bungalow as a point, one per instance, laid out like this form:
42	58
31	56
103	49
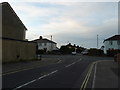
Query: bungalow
112	43
45	44
14	45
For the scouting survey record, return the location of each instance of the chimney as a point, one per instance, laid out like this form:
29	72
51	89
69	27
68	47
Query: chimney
40	37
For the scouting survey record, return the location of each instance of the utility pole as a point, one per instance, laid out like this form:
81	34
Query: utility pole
51	37
51	43
97	41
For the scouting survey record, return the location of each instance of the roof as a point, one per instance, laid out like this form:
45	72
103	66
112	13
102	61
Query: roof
4	38
115	37
7	10
44	41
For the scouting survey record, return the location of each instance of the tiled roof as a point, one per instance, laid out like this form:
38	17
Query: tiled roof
115	37
44	41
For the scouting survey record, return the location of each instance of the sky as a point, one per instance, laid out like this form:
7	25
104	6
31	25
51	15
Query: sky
67	21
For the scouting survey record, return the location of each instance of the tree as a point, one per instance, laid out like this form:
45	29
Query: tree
66	50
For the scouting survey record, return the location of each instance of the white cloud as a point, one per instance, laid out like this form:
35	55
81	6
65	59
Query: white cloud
32	10
60	0
78	22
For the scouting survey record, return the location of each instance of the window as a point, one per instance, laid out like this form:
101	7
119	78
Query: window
40	44
45	44
111	42
118	42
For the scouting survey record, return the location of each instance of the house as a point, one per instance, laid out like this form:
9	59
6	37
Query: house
14	45
112	43
45	44
11	24
102	48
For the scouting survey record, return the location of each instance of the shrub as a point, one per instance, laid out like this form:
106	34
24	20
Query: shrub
40	52
95	52
112	52
66	50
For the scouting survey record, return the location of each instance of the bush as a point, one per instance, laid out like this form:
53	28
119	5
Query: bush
66	50
40	52
54	52
112	52
95	52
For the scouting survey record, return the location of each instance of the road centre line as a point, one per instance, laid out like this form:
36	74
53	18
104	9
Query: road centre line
59	61
79	60
19	70
35	80
68	65
72	63
23	69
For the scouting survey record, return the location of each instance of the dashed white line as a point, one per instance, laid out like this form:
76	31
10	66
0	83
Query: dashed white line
68	65
72	63
53	72
59	61
35	80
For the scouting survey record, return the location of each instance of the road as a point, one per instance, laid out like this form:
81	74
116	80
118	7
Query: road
68	72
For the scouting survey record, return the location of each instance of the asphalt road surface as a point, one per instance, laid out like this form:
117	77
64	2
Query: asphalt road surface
68	72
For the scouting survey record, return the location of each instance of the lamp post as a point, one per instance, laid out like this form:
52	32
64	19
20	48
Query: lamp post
97	41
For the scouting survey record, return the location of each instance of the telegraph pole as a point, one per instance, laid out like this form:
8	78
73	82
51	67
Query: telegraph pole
97	41
51	43
51	37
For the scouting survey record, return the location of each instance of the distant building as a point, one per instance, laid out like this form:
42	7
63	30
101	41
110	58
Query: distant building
45	44
112	43
14	45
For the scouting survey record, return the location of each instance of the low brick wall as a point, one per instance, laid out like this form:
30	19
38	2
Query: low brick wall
118	57
17	50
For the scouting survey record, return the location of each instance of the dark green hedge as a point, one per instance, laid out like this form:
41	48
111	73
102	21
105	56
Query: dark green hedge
95	52
112	52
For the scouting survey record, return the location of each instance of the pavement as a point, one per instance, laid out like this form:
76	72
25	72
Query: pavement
19	66
105	74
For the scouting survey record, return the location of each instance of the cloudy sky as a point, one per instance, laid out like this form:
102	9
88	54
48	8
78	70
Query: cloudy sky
69	22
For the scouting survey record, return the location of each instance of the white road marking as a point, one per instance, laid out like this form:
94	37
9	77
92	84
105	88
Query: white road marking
70	64
94	77
84	84
59	61
35	80
73	63
79	60
19	70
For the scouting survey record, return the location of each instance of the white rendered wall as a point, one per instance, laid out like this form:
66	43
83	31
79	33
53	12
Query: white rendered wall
109	46
49	46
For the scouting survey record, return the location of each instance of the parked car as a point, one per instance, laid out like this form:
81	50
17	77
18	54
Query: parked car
84	52
73	53
117	57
